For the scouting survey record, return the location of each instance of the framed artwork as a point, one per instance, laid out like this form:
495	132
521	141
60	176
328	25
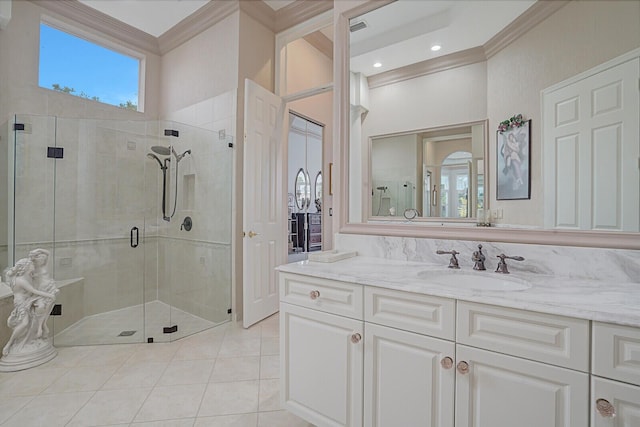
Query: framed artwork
513	177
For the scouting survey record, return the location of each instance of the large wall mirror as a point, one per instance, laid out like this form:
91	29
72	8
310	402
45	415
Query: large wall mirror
413	70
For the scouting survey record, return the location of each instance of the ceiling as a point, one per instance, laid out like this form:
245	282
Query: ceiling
402	33
155	17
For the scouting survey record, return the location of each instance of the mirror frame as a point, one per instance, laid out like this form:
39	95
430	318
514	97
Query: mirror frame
597	239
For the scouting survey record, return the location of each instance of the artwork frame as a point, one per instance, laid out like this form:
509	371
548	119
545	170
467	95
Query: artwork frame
513	162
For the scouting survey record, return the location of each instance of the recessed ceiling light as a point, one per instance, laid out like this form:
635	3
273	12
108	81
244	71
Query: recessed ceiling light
377	65
436	47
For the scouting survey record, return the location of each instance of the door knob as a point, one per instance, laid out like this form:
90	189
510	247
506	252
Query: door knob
463	367
355	338
252	234
605	408
446	362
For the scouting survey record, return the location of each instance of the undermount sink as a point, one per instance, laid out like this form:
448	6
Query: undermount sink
481	281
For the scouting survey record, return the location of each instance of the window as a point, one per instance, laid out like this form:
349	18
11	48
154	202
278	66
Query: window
83	68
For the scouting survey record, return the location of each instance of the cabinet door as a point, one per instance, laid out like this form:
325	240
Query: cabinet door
505	391
321	358
405	383
614	404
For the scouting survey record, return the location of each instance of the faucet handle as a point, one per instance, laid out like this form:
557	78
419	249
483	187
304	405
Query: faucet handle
453	262
502	264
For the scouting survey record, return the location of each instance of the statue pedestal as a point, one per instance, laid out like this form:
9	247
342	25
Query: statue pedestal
35	353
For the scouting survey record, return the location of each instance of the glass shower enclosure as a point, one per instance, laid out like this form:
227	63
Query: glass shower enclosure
136	216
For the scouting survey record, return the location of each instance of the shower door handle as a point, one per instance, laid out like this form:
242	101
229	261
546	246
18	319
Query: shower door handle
134	244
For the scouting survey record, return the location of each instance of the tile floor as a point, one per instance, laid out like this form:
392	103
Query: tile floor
223	377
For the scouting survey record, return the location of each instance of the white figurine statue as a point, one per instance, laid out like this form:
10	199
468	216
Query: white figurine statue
34	293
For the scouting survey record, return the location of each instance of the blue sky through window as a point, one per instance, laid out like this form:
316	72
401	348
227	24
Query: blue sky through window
91	70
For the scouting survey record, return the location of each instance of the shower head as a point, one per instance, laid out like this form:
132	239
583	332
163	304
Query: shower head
179	157
153	156
163	151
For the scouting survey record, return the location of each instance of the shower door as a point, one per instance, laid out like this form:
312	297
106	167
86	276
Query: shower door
189	241
100	191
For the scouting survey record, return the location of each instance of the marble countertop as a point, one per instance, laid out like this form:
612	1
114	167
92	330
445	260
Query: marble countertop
602	301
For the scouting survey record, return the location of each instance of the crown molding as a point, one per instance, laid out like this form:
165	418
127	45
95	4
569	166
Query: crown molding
320	42
430	66
258	10
300	11
537	13
95	20
199	21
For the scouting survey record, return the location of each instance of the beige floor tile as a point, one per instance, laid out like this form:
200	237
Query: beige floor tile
280	419
158	352
230	398
110	407
235	330
31	381
172	402
136	376
108	355
238	347
269	395
50	410
270	346
270	330
269	367
69	357
236	369
83	378
187	372
11	405
199	350
244	420
185	422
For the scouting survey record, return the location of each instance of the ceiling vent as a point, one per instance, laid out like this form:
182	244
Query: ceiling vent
360	25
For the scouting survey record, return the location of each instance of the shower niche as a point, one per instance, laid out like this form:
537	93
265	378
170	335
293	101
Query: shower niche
111	213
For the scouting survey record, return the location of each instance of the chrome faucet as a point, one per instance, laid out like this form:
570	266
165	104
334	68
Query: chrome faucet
478	259
502	264
453	262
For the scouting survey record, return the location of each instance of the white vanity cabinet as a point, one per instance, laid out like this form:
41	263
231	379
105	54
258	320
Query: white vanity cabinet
615	384
321	350
409	377
512	368
355	355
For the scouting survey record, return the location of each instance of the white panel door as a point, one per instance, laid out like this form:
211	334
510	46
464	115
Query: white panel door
505	391
405	383
622	399
263	202
321	366
592	150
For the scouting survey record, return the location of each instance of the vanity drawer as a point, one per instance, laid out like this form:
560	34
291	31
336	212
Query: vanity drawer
418	313
616	352
558	340
330	296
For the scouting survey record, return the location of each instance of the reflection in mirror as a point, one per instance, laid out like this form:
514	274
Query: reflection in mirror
318	189
303	189
438	172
